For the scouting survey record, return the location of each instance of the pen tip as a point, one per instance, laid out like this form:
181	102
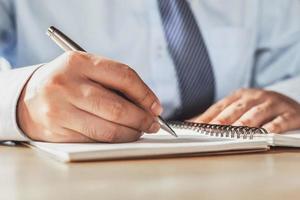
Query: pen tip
164	125
171	130
174	133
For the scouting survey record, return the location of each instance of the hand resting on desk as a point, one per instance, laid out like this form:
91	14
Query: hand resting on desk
255	107
72	99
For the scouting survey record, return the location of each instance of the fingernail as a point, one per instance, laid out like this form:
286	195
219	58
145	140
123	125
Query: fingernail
156	108
154	127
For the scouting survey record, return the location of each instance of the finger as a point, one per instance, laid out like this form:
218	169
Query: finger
283	123
108	105
65	135
99	129
257	115
234	111
216	109
60	134
121	77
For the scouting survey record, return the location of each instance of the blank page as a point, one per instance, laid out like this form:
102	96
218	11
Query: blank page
148	146
288	139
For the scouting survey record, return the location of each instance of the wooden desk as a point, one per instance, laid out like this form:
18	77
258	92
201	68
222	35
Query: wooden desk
26	174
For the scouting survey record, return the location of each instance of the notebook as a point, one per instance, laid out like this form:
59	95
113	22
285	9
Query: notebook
194	139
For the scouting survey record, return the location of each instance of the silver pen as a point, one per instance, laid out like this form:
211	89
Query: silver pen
67	44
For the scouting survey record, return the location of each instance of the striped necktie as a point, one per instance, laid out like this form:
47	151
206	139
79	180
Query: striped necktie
188	51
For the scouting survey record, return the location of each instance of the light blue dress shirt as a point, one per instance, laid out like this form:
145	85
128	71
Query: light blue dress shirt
251	43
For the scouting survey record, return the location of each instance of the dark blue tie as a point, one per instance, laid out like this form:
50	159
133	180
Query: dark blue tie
188	51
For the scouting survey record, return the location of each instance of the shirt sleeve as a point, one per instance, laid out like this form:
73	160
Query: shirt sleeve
7	30
277	63
11	85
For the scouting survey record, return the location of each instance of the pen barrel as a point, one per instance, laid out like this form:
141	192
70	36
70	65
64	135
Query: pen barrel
62	40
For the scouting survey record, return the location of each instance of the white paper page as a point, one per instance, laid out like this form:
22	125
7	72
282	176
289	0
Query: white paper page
149	145
291	134
288	139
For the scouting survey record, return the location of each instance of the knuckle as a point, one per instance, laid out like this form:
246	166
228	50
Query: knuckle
128	75
100	62
260	94
283	118
93	96
240	107
116	111
72	58
272	93
55	81
145	97
259	110
219	106
90	131
245	122
269	104
95	104
88	92
276	127
111	135
72	55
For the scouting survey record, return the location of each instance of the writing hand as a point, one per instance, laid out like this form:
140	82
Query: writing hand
73	99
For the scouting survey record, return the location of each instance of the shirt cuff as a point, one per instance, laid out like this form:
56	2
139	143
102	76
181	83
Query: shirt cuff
11	84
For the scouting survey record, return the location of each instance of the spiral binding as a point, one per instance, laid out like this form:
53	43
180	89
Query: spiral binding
217	130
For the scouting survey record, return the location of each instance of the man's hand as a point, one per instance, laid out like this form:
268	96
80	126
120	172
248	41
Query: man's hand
73	99
257	108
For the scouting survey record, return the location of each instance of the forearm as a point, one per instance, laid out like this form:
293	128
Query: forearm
11	85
